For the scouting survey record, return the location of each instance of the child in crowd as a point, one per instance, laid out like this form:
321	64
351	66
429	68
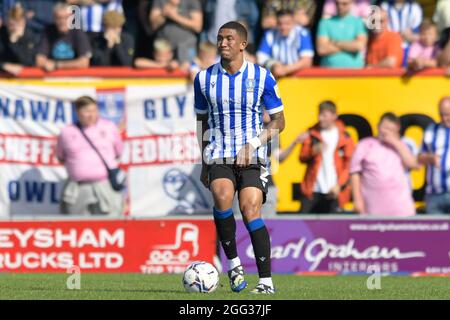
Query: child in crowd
424	53
163	57
207	56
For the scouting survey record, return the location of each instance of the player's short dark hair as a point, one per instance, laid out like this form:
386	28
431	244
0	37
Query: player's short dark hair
285	12
235	25
328	105
390	116
83	102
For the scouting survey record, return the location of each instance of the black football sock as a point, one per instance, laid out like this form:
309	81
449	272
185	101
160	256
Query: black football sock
226	230
261	246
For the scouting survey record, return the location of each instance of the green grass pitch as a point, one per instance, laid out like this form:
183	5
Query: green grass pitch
165	287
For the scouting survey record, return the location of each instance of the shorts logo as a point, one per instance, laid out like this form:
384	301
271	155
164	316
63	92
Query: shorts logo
250	85
264	176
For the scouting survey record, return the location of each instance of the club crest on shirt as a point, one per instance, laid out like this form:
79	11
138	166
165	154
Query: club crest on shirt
250	85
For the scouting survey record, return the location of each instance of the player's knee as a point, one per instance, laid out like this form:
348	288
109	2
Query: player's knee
251	211
223	199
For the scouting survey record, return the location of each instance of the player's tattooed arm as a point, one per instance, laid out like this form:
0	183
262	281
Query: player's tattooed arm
274	127
202	128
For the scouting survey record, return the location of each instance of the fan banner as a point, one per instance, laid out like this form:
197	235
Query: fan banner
161	152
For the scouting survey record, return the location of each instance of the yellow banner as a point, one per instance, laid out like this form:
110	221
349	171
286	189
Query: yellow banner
366	97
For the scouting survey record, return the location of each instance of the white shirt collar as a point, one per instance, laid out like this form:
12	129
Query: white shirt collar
241	69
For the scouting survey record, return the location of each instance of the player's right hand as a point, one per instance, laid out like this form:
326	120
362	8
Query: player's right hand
244	156
204	179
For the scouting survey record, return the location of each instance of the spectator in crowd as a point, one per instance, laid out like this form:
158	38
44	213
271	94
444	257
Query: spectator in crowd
287	49
92	12
62	47
18	44
5	7
379	183
303	10
145	34
163	57
405	17
179	22
218	12
442	15
88	190
444	47
385	46
342	39
114	47
36	12
434	155
327	153
424	53
207	56
360	8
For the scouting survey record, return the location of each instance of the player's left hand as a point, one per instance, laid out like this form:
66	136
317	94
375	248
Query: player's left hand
244	156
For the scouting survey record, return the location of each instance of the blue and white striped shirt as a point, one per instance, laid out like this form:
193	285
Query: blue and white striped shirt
409	16
234	103
287	50
436	139
92	15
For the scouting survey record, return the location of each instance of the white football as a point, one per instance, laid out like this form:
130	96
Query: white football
200	276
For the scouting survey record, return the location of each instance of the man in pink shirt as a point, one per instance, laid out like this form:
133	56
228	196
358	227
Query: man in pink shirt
379	184
88	190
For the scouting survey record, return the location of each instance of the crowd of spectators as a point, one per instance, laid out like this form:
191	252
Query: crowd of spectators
284	35
376	172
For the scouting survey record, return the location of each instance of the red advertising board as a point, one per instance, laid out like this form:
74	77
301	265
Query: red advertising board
141	246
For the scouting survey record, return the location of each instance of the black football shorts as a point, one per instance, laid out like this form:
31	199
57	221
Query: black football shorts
255	175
